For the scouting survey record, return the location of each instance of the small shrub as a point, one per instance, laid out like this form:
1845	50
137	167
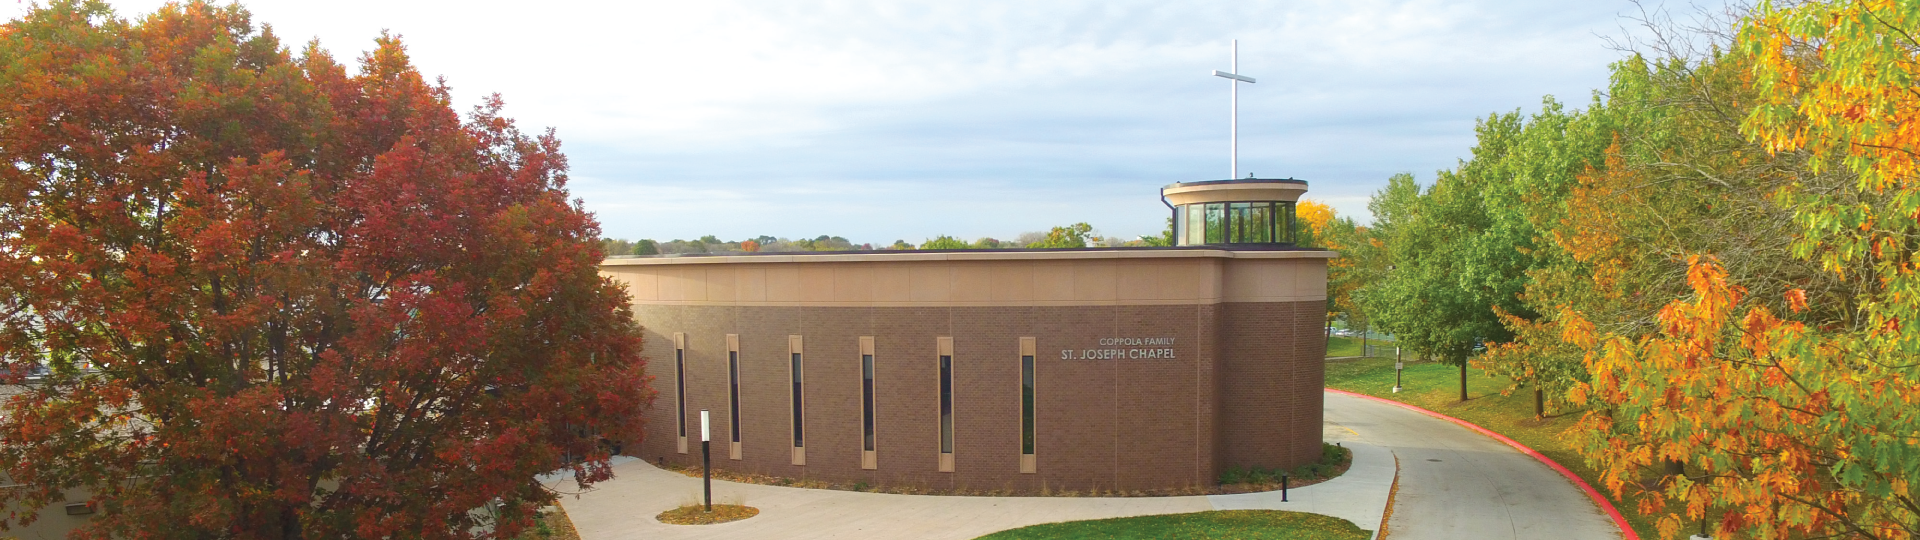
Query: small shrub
1333	455
1233	475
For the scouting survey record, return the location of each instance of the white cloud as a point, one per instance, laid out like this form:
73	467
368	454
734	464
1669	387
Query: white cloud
885	120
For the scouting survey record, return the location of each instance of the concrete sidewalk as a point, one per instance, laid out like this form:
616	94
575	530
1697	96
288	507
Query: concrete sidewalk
625	507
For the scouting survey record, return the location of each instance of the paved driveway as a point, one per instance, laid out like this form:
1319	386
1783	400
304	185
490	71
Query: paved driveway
1455	483
1479	488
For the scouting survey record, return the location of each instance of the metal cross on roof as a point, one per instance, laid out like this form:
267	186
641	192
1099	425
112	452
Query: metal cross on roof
1233	151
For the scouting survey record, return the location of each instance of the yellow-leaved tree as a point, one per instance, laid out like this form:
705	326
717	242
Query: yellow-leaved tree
1798	426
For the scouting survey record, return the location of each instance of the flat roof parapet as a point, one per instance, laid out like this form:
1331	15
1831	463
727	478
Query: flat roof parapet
1180	252
1240	190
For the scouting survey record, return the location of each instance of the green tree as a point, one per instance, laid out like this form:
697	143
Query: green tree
944	242
1435	301
1070	236
615	246
646	247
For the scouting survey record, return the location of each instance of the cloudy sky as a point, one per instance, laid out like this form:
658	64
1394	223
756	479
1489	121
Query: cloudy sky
879	121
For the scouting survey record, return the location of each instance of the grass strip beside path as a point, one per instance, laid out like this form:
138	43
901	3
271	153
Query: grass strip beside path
1221	524
1436	387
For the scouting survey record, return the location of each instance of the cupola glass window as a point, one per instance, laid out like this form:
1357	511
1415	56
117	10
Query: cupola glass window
1241	212
1262	222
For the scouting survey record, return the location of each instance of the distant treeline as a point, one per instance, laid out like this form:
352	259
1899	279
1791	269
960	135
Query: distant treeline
1069	236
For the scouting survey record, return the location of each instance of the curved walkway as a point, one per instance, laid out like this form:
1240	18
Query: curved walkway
1454	483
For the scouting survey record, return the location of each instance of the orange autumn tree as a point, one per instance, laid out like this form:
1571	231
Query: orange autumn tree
1316	217
1798	426
1314	228
1360	263
247	294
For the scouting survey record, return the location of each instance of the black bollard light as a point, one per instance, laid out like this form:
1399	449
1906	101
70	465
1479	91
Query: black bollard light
706	462
1283	488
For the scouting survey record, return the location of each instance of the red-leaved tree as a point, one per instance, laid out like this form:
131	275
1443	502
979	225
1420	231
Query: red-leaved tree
247	294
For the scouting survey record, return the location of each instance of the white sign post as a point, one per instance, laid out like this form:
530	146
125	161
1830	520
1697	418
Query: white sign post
1397	366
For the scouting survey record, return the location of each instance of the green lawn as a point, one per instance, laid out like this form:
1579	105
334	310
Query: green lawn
1436	387
1236	524
1350	346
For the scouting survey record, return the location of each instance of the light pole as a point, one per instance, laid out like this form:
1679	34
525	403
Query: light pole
706	462
1233	152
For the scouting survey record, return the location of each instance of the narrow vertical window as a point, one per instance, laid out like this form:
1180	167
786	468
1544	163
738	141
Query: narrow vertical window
1216	223
797	375
1196	225
1028	435
1238	214
1285	226
946	404
1026	404
1278	213
680	389
868	459
733	395
799	405
1259	223
866	399
1179	226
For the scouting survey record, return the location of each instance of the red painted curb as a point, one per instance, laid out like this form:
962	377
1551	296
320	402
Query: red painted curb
1626	531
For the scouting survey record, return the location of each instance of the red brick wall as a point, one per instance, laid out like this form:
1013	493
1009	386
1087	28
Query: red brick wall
1102	424
1272	370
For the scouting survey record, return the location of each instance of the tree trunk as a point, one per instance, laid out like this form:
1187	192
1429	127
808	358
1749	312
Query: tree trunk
1363	342
1674	469
1539	403
1463	380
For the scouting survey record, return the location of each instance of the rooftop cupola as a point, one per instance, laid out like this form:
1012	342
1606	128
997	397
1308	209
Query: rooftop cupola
1245	211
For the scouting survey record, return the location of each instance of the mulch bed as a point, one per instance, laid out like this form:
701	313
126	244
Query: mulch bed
697	514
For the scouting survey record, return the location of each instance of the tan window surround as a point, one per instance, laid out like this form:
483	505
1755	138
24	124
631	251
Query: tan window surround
869	459
680	390
941	431
798	419
1029	348
733	396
